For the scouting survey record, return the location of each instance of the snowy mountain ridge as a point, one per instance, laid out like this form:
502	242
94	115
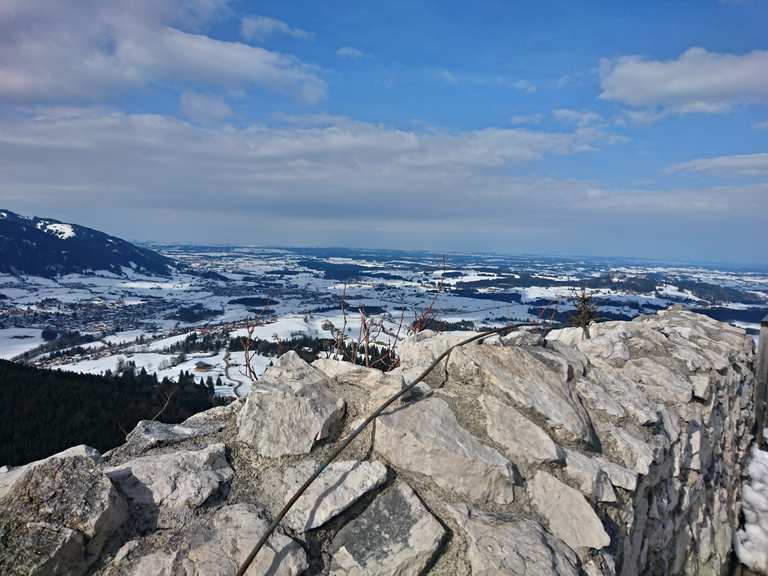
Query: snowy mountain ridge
48	247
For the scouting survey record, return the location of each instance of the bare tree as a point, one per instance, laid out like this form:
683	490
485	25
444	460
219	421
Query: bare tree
586	311
247	344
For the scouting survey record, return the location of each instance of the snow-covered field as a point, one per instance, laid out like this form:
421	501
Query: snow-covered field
16	341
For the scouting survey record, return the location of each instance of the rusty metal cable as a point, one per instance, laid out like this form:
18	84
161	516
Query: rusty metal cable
348	440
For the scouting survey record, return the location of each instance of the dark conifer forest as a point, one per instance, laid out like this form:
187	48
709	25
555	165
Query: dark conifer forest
45	411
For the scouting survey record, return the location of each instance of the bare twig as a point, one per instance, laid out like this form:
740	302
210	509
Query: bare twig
246	342
167	401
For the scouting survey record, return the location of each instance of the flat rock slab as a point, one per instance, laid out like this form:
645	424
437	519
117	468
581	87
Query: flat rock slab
150	434
620	476
57	517
592	480
217	547
336	489
170	486
523	441
395	536
528	382
569	515
369	379
523	547
421	349
290	409
426	438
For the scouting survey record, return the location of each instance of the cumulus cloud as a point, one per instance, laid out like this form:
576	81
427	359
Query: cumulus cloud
350	53
735	165
261	28
698	81
85	50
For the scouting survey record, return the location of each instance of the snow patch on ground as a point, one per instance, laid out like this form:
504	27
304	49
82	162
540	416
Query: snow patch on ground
16	341
125	337
752	540
61	231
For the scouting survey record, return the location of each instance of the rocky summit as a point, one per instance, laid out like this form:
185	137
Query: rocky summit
616	454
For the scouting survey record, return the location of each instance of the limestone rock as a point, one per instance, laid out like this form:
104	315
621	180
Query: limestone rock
336	489
150	434
229	538
522	338
592	480
426	438
519	546
620	476
217	547
369	379
659	382
395	536
522	440
56	518
569	515
421	349
529	382
290	409
292	371
215	416
634	452
173	485
11	474
604	383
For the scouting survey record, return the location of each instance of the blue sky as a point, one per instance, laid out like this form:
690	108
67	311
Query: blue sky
626	129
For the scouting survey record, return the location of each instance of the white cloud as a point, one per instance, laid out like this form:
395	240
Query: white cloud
52	51
577	117
526	119
641	116
735	165
299	169
261	28
697	82
204	109
350	53
762	125
329	180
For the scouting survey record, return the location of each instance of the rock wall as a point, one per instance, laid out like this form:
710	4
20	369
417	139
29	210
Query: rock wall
620	454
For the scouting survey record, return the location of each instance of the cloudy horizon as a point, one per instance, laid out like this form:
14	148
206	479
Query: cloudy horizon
555	129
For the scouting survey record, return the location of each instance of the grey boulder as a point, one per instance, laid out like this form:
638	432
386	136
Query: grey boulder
395	536
426	438
289	410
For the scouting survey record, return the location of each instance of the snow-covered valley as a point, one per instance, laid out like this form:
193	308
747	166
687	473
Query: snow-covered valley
144	321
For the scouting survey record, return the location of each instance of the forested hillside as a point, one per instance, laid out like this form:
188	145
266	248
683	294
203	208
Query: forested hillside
45	411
